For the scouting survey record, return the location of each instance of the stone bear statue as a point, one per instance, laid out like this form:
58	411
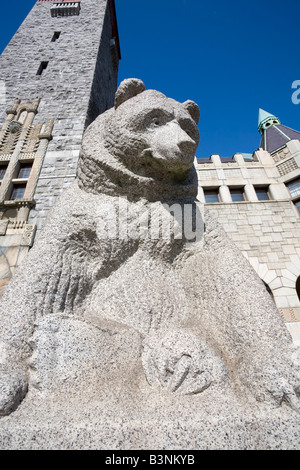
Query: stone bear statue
129	248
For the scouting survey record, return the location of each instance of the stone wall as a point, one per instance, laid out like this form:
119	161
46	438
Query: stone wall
266	231
78	83
268	235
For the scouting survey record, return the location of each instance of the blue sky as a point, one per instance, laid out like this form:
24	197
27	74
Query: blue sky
231	57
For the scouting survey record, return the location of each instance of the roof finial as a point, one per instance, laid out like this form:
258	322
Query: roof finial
266	120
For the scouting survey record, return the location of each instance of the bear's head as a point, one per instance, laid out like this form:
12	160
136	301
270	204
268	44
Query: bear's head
143	147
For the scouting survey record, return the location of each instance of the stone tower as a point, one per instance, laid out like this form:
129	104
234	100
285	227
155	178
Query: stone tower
57	74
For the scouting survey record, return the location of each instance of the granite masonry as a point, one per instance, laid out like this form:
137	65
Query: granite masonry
138	342
64	57
142	338
256	198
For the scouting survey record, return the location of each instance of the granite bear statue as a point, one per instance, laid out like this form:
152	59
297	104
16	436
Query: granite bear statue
129	245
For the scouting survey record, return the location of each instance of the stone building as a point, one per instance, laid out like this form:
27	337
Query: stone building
57	74
257	200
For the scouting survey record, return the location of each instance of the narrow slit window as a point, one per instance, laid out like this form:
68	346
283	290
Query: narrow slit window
55	36
42	67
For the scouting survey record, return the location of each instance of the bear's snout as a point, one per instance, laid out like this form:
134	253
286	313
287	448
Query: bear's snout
187	146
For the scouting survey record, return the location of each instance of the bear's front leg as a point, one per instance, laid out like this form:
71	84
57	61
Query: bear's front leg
13	381
245	322
274	380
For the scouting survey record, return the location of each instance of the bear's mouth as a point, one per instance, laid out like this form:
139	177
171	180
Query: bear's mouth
176	167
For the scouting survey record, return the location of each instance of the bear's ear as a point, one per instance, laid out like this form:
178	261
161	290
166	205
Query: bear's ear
128	89
193	109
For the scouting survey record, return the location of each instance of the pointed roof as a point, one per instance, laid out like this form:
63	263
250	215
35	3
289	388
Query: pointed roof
273	134
266	120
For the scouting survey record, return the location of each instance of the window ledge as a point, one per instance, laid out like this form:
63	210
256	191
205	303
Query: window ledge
18	202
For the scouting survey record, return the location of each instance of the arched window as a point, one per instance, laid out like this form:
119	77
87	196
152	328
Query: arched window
298	287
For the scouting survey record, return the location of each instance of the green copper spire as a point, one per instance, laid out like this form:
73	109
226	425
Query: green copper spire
266	120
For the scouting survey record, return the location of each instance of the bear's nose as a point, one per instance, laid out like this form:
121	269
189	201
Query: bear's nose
187	146
185	143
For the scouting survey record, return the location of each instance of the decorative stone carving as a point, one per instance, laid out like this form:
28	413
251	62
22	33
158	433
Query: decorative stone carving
291	314
28	235
31	140
135	320
11	129
15	127
10	138
13	109
287	167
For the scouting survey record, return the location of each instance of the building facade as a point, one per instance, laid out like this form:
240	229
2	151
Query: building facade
257	200
57	74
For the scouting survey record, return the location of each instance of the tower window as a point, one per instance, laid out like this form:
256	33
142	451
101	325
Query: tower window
55	36
18	191
24	170
211	196
42	67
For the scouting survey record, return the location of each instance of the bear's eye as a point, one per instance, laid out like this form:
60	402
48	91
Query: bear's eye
189	127
156	122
